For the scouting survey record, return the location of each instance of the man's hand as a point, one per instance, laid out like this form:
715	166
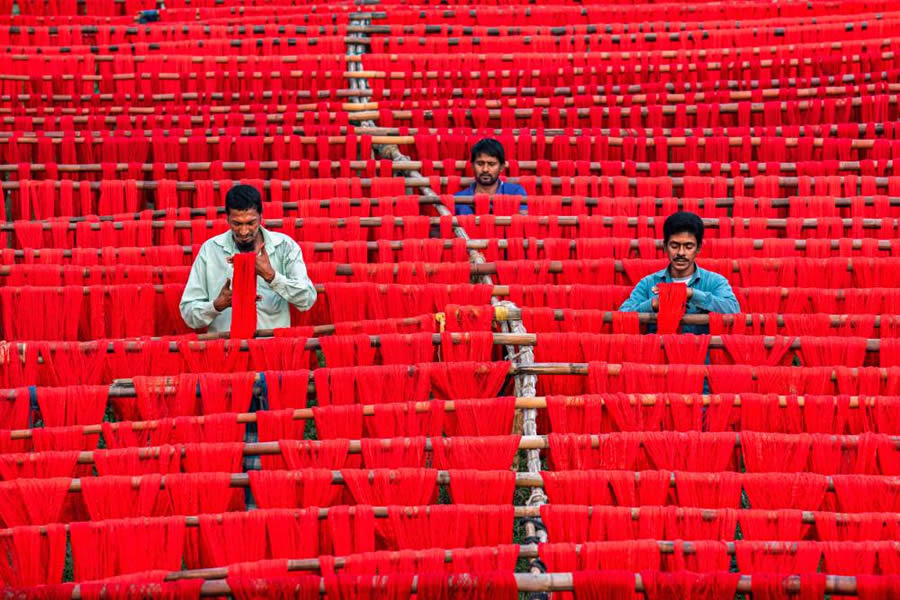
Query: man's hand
655	291
263	266
223	300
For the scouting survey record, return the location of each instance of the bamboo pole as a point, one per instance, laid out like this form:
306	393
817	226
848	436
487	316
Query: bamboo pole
312	343
838	585
500	290
784	202
552	266
381	512
526	33
242	480
403	166
650	31
454	92
399	166
213	137
501	221
526	551
486	75
450	406
168	29
527	442
754	132
473	244
420	182
186	96
858	50
692	319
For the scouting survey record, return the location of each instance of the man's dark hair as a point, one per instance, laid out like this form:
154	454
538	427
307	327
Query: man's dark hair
243	197
490	147
683	222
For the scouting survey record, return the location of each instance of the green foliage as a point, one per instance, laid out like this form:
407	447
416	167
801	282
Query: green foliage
68	568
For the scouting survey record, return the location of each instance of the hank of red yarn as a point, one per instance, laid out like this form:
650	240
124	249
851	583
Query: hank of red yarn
243	296
672	304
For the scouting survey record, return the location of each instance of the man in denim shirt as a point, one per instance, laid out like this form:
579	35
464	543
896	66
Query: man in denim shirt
706	291
488	161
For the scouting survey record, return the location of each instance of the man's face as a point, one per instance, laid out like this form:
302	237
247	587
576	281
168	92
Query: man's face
244	228
487	170
682	250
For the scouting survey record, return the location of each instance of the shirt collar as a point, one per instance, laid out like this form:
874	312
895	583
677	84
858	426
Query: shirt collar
226	241
664	276
500	185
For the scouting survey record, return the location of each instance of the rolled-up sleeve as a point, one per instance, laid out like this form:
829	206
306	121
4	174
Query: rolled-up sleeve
196	306
719	298
294	284
641	299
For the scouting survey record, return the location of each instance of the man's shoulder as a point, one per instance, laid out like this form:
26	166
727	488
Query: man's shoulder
712	276
469	191
283	245
654	277
513	189
280	238
215	242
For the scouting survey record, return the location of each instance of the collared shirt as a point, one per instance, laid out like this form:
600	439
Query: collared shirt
210	270
711	293
503	189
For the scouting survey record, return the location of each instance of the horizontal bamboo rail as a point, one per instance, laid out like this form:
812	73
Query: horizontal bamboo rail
689	57
452	33
512	93
502	314
838	585
381	512
673	133
523	480
650	30
520	512
534	442
514	314
455	92
420	182
497	290
799	244
450	406
186	96
677	137
499	221
190	136
731	107
527	551
242	480
553	266
402	166
170	28
519	339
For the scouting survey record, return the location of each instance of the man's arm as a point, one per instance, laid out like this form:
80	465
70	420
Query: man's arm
523	207
196	306
641	298
462	209
720	299
294	284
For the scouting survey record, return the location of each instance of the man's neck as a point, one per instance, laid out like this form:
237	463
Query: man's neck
480	189
258	242
684	274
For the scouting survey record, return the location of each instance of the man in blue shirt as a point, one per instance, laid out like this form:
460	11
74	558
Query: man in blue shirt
706	291
488	161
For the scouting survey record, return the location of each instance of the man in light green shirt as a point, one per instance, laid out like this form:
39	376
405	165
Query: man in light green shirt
281	274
